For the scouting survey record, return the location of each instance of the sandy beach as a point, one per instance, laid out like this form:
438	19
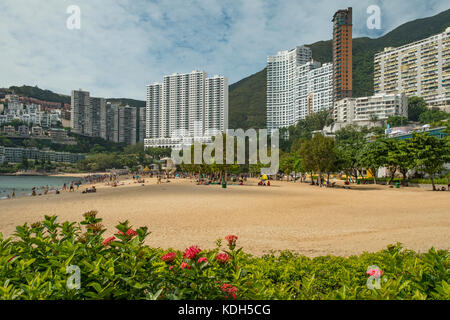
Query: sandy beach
296	216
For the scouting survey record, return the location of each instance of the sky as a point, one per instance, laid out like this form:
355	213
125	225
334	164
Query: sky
123	45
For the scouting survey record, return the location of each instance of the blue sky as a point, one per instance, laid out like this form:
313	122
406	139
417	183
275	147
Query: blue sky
125	44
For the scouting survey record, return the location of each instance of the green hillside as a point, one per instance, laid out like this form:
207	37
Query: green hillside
47	95
37	93
247	98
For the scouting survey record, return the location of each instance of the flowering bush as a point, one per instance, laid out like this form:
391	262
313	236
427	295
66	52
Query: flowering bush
169	257
191	252
36	264
222	258
231	239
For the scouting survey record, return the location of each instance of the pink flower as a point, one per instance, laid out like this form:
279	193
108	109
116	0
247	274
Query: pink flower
222	258
184	265
170	267
231	241
169	257
229	290
131	233
375	272
191	252
202	259
108	240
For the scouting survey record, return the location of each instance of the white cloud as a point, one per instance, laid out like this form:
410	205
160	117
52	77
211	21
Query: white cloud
124	45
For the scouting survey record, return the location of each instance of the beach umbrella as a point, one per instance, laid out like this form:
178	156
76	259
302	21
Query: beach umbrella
146	169
264	177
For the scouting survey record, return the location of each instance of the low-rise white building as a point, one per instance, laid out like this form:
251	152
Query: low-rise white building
369	110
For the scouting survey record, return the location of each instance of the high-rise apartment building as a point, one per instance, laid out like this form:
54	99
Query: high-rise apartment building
86	112
80	101
142	122
216	104
421	68
185	105
342	54
92	117
109	122
296	87
127	124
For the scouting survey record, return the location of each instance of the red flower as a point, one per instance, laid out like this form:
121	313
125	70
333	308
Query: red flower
169	257
120	233
231	241
222	258
229	290
170	267
184	265
202	259
108	240
131	233
191	252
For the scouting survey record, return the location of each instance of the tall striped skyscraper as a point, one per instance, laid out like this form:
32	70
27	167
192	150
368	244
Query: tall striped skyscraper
185	105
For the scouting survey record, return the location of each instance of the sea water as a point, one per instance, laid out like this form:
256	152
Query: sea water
23	184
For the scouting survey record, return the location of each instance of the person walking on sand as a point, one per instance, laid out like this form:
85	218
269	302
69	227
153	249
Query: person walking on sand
46	189
64	186
13	195
71	187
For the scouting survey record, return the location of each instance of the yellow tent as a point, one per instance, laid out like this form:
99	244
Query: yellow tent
264	177
146	169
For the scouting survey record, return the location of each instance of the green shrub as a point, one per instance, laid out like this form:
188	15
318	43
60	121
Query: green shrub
34	265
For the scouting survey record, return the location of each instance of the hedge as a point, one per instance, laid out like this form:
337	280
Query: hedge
42	261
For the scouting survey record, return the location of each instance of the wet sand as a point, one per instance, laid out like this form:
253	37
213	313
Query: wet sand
295	216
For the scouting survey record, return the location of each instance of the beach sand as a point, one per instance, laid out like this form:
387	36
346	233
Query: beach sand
295	216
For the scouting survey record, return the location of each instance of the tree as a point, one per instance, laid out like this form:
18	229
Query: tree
287	164
430	153
404	158
433	116
416	106
397	121
319	155
349	141
393	158
373	156
373	118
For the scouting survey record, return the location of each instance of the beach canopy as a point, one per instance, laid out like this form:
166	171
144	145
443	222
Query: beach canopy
146	169
264	177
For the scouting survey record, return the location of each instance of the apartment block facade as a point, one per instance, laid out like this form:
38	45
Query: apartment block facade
421	68
92	116
16	155
185	106
127	124
296	87
79	104
368	110
142	123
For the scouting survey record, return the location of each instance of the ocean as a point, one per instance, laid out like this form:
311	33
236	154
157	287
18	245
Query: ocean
24	184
